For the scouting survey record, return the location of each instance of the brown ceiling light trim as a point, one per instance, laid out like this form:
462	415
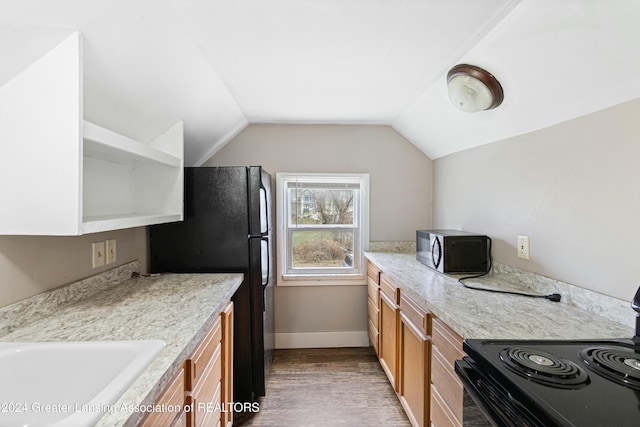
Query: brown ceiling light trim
467	94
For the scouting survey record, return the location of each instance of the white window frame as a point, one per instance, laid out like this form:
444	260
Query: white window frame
356	275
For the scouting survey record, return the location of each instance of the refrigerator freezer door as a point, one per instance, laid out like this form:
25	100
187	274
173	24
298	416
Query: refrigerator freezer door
213	236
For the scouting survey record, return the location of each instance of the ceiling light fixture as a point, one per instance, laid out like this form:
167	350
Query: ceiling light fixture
473	89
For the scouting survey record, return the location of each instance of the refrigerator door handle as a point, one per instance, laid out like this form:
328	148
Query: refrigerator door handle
266	282
264	209
264	238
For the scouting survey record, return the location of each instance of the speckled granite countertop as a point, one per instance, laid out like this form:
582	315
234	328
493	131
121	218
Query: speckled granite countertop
175	308
485	315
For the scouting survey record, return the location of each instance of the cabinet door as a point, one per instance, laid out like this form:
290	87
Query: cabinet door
413	371
389	312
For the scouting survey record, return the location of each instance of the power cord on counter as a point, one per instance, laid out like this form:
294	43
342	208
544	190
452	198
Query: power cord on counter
137	274
550	297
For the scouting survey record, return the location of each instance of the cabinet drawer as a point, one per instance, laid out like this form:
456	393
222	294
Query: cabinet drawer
446	381
441	415
373	313
372	291
389	288
373	272
211	375
448	343
206	393
207	408
173	396
203	355
416	314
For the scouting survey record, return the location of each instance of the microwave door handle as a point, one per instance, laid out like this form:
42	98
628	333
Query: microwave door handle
436	262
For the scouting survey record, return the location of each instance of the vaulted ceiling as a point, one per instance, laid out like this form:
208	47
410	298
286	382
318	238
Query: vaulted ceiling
220	65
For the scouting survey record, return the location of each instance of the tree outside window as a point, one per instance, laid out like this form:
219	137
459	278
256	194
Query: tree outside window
324	227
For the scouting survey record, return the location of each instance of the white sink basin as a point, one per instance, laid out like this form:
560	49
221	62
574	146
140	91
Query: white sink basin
67	383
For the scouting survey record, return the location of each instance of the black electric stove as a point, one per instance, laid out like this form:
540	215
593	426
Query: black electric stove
546	383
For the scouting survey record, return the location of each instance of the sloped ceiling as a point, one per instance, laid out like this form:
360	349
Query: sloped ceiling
222	64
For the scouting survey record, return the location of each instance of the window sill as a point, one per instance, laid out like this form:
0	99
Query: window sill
323	280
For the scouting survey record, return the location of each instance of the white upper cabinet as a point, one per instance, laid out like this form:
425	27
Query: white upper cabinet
62	175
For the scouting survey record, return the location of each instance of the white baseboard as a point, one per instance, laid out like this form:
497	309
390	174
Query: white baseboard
322	339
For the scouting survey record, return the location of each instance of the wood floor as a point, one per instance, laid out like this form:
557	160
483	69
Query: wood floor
325	388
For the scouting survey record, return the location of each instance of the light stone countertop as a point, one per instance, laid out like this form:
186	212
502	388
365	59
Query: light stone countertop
175	308
487	315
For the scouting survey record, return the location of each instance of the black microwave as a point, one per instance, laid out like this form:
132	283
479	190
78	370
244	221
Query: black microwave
453	251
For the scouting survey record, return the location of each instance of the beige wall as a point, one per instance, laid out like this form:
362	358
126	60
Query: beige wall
400	184
573	188
30	265
400	174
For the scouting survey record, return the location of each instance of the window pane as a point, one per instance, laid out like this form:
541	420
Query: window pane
322	248
321	206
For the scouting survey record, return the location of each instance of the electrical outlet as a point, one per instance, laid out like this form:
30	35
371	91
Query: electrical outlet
111	251
523	247
98	255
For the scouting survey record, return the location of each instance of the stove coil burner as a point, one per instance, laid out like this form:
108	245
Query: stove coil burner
543	368
618	365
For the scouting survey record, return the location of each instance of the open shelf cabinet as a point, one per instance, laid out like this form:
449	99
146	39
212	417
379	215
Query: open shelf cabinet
63	175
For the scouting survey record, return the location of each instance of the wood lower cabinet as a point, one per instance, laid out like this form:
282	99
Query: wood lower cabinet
203	387
172	397
204	371
226	396
447	392
417	351
389	316
208	389
413	361
373	303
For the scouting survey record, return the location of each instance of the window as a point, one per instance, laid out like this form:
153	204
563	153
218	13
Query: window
323	225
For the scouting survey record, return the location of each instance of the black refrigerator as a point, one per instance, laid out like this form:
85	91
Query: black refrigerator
227	228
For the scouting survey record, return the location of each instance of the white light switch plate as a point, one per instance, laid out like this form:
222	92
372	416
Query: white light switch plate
111	251
97	254
523	247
